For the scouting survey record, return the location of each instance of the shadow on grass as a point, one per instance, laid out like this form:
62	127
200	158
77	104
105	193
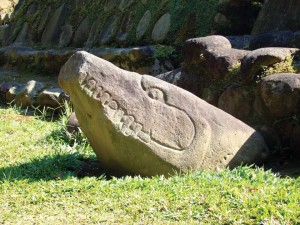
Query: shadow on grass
64	166
61	165
284	167
46	113
56	167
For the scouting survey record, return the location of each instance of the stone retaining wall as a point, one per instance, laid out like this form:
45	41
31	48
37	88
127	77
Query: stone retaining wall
151	60
94	23
259	87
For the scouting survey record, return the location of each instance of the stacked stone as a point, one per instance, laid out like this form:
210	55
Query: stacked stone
54	28
234	81
143	59
121	23
283	38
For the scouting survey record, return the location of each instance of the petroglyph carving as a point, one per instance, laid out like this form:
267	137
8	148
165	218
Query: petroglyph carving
139	124
177	139
125	123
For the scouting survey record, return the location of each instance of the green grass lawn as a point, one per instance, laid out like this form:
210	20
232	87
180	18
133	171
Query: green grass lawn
45	178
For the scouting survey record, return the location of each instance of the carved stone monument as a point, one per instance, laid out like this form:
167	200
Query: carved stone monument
141	125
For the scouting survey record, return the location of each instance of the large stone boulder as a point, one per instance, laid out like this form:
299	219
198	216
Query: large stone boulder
278	15
221	62
280	94
50	98
209	61
194	49
4	89
26	96
237	101
171	76
240	42
142	125
272	39
253	63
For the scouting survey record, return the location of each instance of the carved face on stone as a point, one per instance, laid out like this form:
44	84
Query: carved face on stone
140	124
144	112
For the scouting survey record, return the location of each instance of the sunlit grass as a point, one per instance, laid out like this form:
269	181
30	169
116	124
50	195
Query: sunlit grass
39	184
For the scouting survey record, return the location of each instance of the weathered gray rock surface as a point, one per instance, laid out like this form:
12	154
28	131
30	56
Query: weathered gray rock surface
220	61
171	77
50	98
12	92
2	30
65	36
81	34
237	101
25	97
32	93
161	28
142	125
278	15
273	39
137	59
193	49
72	125
24	37
280	94
240	42
253	62
52	31
143	25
